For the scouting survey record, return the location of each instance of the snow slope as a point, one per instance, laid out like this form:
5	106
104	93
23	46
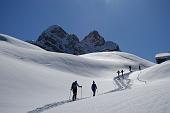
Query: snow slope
18	43
33	78
152	97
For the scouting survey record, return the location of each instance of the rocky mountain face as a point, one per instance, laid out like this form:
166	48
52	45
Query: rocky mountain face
57	40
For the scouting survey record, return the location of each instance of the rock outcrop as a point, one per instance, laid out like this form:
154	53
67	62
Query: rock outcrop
57	40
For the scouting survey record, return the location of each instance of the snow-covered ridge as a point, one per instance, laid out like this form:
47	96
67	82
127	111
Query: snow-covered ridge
162	55
17	42
75	64
157	72
120	56
33	78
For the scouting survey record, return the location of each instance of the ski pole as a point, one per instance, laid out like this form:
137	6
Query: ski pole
70	94
81	92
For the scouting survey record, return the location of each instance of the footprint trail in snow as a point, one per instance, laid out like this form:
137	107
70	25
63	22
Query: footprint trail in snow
121	83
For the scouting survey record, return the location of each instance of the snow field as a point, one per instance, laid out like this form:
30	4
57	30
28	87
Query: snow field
32	78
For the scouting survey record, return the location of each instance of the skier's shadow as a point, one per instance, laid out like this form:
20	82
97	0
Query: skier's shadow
120	82
49	106
52	105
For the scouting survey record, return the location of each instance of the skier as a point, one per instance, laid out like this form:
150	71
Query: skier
139	67
130	68
74	89
94	87
118	72
122	73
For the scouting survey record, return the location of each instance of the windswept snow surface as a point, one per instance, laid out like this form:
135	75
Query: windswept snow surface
15	42
152	97
35	80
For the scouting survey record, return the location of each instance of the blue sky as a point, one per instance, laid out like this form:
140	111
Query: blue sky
141	27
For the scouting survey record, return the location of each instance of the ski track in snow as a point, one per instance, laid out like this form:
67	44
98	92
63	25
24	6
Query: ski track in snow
37	71
121	82
140	79
49	106
52	105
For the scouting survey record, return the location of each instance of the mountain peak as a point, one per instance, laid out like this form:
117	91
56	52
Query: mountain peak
94	38
56	30
94	32
56	39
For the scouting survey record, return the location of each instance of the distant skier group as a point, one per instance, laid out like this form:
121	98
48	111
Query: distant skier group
94	86
122	72
74	89
118	72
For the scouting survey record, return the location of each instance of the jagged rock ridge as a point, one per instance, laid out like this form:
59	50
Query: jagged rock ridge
57	40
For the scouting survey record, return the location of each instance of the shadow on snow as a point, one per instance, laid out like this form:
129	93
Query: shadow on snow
122	83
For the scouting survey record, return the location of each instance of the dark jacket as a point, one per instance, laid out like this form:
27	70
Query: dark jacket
94	87
74	86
